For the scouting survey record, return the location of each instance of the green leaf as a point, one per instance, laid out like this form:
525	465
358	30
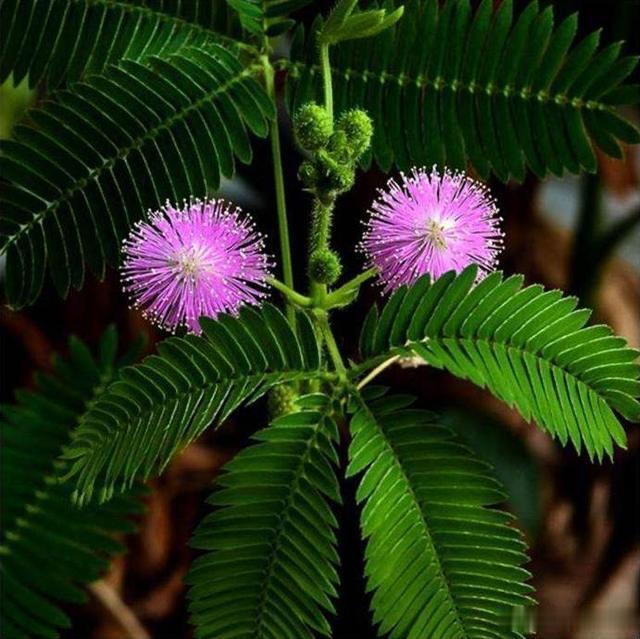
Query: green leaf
267	17
65	40
440	559
96	157
499	92
270	567
49	549
339	14
514	465
341	25
529	347
164	403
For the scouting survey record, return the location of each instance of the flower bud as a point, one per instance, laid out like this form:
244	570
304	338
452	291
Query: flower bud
324	266
313	126
341	179
358	130
282	401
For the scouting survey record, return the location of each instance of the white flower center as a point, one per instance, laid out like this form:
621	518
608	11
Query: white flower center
189	262
435	234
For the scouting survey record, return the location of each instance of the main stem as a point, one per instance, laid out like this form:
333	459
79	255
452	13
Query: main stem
321	224
321	218
278	176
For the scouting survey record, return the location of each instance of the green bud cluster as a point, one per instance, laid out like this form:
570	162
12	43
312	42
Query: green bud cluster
325	266
282	401
331	171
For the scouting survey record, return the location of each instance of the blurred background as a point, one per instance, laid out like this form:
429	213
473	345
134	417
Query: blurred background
581	520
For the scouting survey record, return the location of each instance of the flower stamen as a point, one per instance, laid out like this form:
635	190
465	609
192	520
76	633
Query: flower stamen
435	235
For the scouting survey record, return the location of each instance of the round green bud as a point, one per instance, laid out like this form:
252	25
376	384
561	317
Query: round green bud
324	266
313	126
342	178
282	401
358	129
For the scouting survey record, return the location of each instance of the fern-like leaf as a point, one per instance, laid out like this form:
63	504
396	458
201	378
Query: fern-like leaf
162	404
442	561
448	86
270	567
267	17
50	549
96	157
528	346
64	40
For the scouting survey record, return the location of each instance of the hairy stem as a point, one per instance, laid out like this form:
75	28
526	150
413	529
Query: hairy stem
319	239
321	225
281	205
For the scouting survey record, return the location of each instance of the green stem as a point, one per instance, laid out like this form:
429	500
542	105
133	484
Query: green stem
374	362
281	205
332	347
321	225
289	293
325	65
319	239
582	270
377	370
318	294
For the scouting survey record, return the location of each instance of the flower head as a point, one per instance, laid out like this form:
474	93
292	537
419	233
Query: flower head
203	259
432	223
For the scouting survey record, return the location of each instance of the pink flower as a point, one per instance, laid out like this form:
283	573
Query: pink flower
432	223
203	259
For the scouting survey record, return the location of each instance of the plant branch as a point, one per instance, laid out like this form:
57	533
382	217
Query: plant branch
281	205
367	365
289	293
111	600
377	370
334	352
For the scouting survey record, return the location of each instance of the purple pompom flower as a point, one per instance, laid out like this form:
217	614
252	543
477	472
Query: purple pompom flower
203	259
432	223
